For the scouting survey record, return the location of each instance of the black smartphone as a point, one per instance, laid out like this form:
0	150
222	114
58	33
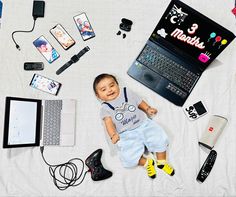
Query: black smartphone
46	49
62	36
45	84
84	26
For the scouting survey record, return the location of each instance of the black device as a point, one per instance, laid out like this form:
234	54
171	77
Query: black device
98	172
62	36
207	166
73	60
33	66
38	9
126	24
180	48
84	26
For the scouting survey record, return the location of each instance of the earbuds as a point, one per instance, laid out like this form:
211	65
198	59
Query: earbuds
125	26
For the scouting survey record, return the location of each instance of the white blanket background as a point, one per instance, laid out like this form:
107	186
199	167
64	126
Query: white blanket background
22	170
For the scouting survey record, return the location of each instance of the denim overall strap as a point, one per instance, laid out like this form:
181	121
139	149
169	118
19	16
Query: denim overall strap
125	94
109	105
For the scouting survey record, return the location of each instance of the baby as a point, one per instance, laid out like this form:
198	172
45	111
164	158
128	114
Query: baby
123	113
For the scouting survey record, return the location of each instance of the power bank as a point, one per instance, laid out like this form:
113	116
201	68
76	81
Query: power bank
38	9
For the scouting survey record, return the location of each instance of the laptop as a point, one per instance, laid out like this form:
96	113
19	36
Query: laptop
181	47
34	122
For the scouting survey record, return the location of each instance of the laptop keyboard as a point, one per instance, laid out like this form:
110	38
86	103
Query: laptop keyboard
167	68
52	121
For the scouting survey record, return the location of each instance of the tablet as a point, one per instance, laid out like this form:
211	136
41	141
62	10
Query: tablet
22	122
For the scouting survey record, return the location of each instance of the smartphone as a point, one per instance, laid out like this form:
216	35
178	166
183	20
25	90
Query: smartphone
45	84
84	26
62	36
46	49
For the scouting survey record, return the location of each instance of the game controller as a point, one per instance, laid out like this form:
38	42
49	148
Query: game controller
98	172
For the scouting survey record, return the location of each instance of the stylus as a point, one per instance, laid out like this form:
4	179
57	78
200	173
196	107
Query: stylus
73	60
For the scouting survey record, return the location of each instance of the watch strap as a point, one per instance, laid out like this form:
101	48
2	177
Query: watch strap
74	59
64	67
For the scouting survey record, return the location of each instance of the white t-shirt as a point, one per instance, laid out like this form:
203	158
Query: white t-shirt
125	115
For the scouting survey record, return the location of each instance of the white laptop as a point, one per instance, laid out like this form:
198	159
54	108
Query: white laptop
34	122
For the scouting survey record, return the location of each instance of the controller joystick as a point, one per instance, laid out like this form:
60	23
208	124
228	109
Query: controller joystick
98	172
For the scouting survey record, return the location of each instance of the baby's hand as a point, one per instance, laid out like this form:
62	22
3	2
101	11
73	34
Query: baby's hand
115	138
151	111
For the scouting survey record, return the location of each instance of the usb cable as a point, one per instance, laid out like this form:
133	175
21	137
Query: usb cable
22	31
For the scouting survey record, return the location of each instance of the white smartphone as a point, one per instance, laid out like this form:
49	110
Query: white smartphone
45	84
62	36
84	26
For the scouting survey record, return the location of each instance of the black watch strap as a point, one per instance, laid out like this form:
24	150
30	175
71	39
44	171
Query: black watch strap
74	59
64	67
83	51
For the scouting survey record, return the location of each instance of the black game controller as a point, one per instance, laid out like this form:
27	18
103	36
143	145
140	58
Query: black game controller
98	172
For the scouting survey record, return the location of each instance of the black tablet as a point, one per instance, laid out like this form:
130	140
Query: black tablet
22	122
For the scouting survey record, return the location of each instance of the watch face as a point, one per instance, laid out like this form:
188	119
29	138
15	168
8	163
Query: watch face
74	58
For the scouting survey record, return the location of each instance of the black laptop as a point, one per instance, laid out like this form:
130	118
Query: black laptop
180	48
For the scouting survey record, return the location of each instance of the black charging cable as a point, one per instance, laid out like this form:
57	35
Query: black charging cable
22	31
66	174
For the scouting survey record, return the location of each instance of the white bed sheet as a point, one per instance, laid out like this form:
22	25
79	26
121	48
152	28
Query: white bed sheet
22	170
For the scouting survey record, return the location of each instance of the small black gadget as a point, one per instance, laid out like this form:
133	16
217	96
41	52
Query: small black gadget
126	24
207	166
98	172
33	66
38	9
73	60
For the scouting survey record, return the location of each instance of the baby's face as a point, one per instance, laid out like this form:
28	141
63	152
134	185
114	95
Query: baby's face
107	89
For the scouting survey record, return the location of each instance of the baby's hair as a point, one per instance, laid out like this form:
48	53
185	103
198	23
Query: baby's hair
100	77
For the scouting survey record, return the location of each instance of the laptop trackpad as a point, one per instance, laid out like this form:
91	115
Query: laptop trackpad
67	129
151	79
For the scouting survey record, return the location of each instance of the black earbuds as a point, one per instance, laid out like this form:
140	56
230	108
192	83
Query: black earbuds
118	33
125	26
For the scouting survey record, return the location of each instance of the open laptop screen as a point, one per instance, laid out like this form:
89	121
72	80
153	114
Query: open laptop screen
192	33
22	122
